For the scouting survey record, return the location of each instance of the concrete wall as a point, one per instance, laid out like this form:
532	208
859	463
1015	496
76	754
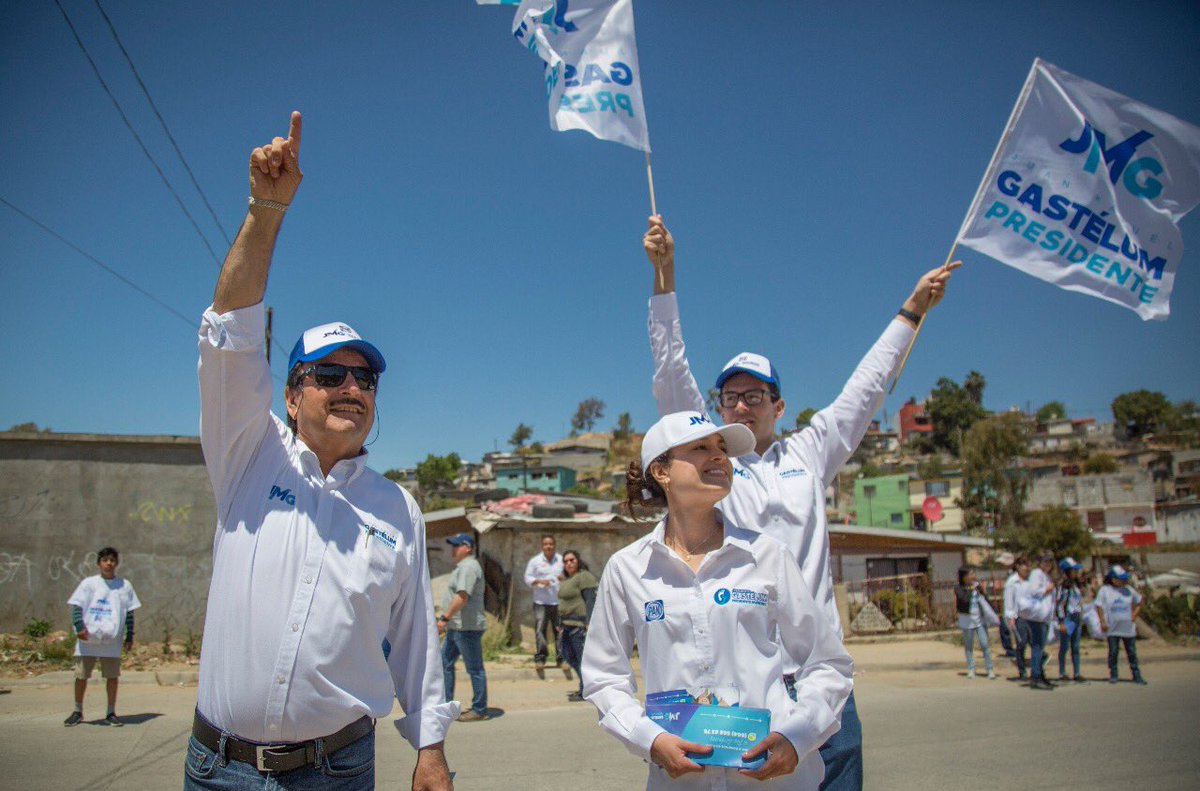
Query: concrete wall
64	496
512	546
1179	524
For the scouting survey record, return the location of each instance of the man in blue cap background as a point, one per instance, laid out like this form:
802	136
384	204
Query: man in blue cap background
463	623
779	487
317	558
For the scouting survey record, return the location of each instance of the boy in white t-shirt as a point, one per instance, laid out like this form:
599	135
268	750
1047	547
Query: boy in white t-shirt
1118	606
101	608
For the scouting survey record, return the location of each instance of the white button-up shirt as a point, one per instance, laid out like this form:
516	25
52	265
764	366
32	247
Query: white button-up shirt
782	492
538	568
721	626
310	572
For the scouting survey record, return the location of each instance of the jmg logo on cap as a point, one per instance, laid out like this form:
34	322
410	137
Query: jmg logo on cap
655	611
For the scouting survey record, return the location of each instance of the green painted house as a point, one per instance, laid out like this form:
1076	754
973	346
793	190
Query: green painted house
882	502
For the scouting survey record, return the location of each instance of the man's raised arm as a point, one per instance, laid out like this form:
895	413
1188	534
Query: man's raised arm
274	177
835	432
675	388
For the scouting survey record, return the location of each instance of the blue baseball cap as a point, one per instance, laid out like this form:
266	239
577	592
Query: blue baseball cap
756	365
459	539
324	340
1069	563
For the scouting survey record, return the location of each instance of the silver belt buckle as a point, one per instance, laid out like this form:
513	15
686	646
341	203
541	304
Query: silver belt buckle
261	752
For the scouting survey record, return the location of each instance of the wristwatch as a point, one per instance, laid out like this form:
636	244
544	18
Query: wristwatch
908	314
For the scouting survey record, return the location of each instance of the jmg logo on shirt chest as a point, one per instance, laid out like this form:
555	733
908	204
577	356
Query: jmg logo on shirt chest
282	495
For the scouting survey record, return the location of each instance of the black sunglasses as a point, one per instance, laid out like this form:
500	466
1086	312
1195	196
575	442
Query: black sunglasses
333	374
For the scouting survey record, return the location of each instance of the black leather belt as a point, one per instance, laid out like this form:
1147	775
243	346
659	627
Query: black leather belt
278	757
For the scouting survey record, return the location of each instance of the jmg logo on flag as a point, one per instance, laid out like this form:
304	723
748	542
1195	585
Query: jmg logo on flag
1118	158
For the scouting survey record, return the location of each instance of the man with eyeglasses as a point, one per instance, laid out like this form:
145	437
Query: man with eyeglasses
317	558
780	486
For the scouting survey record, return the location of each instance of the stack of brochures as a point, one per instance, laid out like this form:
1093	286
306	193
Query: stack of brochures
711	716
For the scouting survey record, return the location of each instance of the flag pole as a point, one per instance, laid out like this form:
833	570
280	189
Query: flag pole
653	208
988	175
920	324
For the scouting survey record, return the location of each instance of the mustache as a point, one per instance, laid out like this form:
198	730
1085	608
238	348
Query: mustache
348	400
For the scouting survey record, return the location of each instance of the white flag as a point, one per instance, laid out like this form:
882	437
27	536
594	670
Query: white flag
591	66
1085	191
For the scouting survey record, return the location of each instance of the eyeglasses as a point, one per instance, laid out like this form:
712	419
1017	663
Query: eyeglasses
333	374
730	398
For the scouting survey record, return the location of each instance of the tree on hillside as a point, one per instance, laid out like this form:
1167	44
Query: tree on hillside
1051	410
1184	424
438	471
1100	463
624	427
993	489
973	385
1057	529
805	417
520	436
954	409
931	468
30	428
1141	411
590	410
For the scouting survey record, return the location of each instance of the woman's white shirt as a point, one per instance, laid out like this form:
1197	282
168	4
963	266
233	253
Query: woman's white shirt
720	626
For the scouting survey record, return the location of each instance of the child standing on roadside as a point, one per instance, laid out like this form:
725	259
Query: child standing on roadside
101	608
1118	606
1068	608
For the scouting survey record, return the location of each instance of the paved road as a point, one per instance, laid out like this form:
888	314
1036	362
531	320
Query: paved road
924	729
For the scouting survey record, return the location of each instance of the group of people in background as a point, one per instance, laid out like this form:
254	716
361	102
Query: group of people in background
1044	602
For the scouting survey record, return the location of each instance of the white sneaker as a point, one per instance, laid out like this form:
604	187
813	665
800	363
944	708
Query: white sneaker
970	674
992	675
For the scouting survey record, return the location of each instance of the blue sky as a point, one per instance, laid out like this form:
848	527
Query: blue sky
811	160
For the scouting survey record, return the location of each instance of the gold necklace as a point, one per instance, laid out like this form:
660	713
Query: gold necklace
687	556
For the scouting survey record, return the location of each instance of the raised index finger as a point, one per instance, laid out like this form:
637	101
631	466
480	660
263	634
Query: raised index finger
294	133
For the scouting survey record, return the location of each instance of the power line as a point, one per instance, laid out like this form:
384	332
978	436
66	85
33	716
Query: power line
190	322
158	115
136	137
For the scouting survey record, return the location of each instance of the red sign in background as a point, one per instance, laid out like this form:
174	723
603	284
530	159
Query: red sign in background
932	508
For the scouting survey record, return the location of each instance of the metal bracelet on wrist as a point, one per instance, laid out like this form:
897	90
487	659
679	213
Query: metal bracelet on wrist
908	314
270	204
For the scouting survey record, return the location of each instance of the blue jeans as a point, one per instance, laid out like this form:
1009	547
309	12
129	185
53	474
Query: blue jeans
1006	640
1114	649
1070	640
351	768
1035	633
842	754
571	643
969	636
467	643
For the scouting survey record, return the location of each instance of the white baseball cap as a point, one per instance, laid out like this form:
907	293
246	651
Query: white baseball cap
680	428
756	365
324	340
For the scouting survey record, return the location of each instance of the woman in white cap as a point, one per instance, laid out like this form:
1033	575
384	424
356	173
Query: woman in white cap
708	604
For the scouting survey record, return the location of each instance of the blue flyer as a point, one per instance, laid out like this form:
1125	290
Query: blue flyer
730	730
